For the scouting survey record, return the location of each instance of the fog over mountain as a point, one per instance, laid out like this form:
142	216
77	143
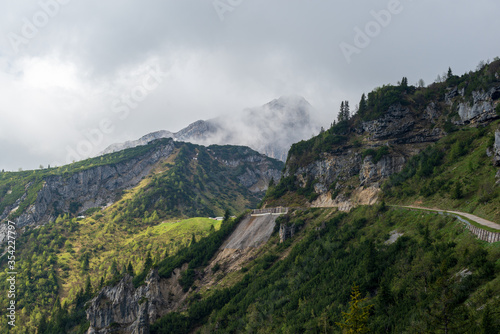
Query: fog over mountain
269	129
66	67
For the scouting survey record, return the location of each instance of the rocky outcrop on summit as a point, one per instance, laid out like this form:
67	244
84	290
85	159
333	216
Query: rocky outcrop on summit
132	310
482	108
198	131
144	140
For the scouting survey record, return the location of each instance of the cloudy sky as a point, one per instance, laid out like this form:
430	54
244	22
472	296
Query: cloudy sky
76	76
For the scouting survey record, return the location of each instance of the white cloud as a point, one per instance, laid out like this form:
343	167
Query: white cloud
63	82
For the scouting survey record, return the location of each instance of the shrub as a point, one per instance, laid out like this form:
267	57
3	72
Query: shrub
376	154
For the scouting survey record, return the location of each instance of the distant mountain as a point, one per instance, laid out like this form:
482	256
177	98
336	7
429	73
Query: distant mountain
269	129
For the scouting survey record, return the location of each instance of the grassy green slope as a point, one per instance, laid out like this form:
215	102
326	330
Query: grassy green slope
55	260
455	173
156	216
14	184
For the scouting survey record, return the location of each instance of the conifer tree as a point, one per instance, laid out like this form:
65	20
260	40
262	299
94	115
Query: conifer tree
227	214
130	269
344	113
450	73
88	287
113	270
347	112
356	320
340	116
149	261
363	106
404	82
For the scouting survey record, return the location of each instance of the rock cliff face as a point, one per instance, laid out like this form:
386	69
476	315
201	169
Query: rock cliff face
332	168
102	185
93	187
345	176
496	149
371	173
397	122
401	126
482	108
256	179
286	232
404	130
131	310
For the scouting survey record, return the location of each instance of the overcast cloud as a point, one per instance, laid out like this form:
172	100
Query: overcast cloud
74	72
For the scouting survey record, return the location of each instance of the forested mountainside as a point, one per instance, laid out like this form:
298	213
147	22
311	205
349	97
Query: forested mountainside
340	254
173	173
89	219
444	138
334	264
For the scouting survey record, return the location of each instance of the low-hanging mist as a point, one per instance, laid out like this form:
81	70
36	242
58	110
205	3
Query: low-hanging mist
269	129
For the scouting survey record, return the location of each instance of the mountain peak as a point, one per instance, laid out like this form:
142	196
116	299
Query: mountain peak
269	129
284	101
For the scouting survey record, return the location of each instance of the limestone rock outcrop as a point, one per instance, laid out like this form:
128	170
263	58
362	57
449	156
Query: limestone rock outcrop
496	149
396	122
94	187
132	310
481	109
372	173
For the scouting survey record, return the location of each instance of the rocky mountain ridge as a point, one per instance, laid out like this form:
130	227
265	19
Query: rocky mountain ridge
346	165
94	187
270	129
102	185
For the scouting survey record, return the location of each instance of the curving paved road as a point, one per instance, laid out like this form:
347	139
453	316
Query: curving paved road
474	218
